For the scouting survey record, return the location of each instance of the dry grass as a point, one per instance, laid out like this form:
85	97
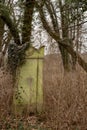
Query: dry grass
6	91
65	96
8	119
65	99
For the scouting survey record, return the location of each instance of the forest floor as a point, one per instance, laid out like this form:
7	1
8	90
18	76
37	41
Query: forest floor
23	123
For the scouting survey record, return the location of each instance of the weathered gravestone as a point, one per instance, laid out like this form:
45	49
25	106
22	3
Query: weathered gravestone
29	90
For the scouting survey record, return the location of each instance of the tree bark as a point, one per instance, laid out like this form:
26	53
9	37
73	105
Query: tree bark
1	32
65	34
27	21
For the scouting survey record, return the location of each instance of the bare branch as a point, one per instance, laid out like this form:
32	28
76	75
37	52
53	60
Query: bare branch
4	15
61	42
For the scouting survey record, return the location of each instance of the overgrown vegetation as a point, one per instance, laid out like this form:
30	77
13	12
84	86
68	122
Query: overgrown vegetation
65	89
65	96
9	119
65	100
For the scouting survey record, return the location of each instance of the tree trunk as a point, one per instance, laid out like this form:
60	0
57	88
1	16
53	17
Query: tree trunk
27	21
65	34
1	32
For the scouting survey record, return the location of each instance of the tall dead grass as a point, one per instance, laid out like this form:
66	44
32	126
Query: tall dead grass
6	92
65	96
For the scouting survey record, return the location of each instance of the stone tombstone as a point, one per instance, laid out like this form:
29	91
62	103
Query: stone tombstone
29	90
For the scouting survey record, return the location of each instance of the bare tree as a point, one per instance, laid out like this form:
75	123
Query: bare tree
65	42
19	45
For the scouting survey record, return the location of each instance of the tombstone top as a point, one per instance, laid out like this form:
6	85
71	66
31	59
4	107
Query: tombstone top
34	53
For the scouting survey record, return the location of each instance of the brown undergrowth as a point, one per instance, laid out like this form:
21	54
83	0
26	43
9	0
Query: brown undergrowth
65	100
65	96
9	120
6	90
